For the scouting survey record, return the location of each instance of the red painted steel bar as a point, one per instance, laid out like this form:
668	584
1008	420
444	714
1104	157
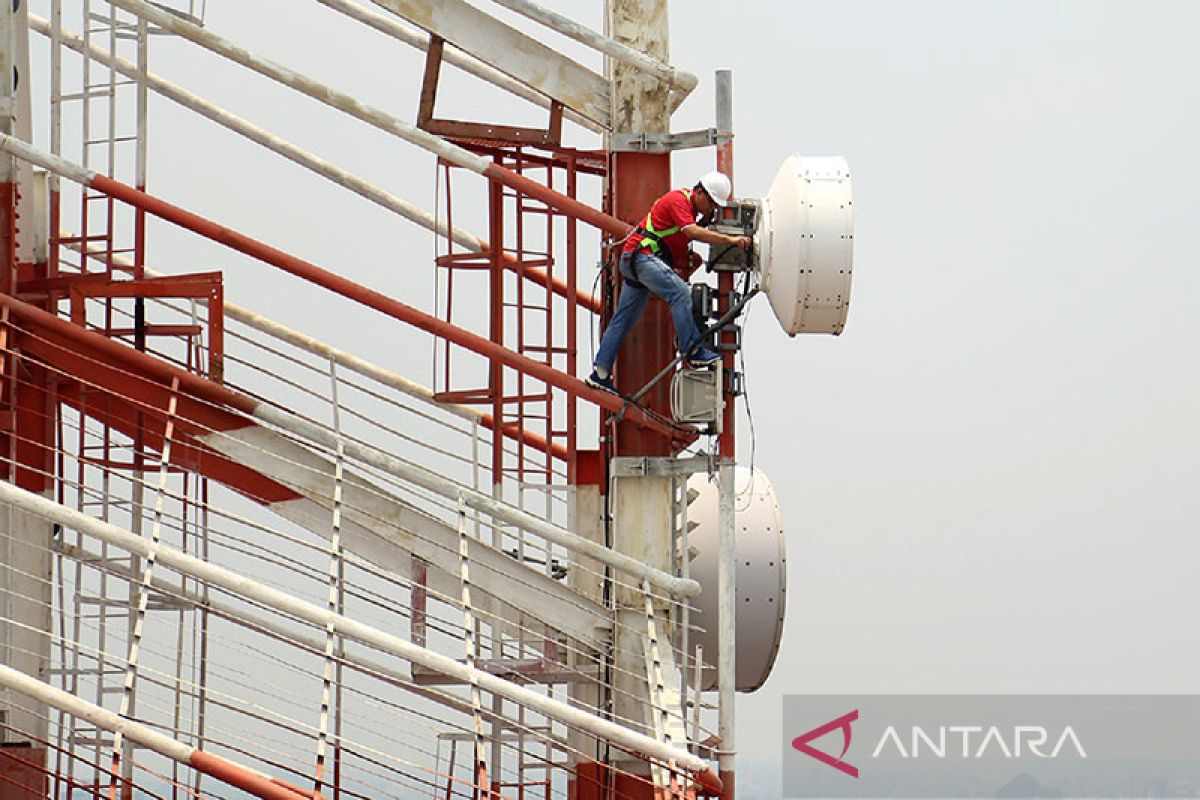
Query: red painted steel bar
246	780
401	311
559	201
245	244
542	278
727	442
189	382
496	326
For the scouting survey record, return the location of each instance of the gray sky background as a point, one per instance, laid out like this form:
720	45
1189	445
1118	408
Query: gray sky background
988	481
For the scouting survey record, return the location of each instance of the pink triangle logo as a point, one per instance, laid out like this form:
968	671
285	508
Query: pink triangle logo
801	743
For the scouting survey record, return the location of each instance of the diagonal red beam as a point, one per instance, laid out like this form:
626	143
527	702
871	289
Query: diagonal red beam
377	300
369	297
130	391
543	279
70	341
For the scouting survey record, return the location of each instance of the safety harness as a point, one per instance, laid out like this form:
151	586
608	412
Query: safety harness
652	239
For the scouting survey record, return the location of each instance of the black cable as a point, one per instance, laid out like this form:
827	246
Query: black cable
726	318
714	259
594	324
749	412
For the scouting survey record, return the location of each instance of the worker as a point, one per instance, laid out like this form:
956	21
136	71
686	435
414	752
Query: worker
656	259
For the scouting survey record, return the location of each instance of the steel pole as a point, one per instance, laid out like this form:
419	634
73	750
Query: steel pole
727	528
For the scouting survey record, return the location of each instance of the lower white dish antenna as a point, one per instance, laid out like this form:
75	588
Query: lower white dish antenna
761	575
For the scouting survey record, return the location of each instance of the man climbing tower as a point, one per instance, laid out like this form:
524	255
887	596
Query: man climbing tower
655	259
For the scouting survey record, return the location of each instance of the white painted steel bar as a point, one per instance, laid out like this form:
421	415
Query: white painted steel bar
53	163
8	100
672	76
309	612
249	780
56	99
277	144
143	104
306	85
480	502
335	577
470	643
101	718
252	621
510	51
726	615
727	540
390	25
128	696
199	598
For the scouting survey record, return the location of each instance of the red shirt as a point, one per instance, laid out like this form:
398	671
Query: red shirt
673	209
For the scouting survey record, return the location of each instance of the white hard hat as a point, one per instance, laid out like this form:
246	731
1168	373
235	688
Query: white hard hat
718	187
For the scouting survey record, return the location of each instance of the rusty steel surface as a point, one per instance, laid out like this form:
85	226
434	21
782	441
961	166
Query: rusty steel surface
639	179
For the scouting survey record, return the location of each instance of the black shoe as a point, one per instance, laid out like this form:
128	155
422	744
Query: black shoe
596	382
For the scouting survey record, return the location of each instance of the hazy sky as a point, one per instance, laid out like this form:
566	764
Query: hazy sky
989	481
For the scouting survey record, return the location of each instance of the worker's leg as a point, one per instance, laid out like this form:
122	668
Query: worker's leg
662	280
630	305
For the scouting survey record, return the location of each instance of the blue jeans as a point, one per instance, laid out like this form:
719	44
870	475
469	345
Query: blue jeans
654	276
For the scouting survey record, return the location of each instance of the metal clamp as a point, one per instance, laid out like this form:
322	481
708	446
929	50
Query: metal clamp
646	466
736	344
661	142
735	383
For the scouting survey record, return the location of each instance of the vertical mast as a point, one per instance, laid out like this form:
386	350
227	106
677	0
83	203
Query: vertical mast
727	547
640	505
641	104
25	577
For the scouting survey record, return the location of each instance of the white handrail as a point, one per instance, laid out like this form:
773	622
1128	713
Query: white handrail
676	78
277	144
393	27
285	603
306	85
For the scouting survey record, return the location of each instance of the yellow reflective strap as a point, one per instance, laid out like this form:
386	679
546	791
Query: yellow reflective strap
658	236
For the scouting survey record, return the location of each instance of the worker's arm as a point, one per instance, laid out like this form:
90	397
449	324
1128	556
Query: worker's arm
698	234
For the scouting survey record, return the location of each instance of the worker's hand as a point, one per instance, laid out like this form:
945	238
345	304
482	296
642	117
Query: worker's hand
741	241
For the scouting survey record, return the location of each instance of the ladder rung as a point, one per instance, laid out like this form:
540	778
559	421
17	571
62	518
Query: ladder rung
84	671
116	140
107	85
86	94
102	602
110	503
98	237
109	22
93	740
119	561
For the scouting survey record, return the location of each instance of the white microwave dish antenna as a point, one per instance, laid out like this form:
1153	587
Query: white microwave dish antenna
805	241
